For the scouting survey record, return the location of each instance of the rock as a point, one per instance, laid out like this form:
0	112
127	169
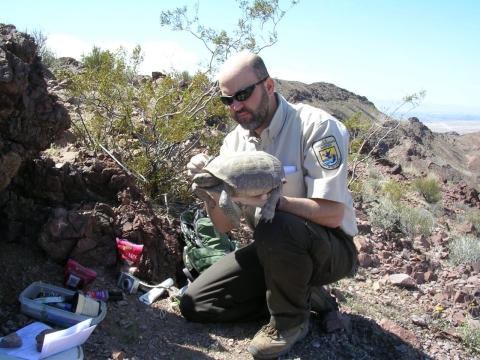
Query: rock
459	297
458	318
30	118
364	260
401	280
397	169
362	245
94	202
467	227
118	355
339	295
418	320
402	333
476	266
436	239
430	276
421	243
419	277
11	341
385	254
41	336
406	254
335	320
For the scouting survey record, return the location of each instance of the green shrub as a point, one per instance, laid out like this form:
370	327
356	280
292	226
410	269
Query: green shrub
437	210
372	173
356	187
429	188
49	57
394	190
471	335
384	214
371	189
409	169
147	124
474	217
98	58
465	249
414	221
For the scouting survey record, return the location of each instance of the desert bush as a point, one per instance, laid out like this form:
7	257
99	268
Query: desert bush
384	214
149	126
437	210
409	169
465	249
356	187
415	221
474	217
372	173
471	334
49	57
370	189
394	190
357	126
429	188
98	58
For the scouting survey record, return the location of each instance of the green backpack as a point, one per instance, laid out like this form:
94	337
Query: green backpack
204	244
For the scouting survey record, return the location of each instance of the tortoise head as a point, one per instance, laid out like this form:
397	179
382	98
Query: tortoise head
205	179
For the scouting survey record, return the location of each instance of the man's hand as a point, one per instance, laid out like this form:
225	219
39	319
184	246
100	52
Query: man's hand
257	201
197	163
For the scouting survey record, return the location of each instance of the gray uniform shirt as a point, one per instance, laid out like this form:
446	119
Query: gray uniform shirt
313	148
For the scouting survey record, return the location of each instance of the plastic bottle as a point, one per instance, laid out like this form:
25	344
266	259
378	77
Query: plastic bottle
97	294
63	306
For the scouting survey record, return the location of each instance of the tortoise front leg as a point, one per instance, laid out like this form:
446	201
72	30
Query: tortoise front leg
268	210
227	207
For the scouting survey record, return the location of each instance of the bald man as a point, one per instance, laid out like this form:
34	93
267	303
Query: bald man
308	244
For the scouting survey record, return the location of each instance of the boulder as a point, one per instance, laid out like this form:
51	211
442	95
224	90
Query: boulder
30	118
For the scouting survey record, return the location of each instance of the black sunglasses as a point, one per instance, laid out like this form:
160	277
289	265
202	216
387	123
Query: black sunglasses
240	95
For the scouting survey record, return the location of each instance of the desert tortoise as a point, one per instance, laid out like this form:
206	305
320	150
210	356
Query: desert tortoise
249	173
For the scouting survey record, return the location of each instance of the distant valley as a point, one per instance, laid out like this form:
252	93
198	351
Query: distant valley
460	123
462	127
439	117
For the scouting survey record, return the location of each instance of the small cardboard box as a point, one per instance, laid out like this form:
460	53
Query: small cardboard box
51	314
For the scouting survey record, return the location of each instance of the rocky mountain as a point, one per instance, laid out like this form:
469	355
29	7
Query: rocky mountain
337	101
453	158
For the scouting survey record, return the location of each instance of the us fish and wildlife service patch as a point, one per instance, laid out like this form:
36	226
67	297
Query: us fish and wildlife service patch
328	153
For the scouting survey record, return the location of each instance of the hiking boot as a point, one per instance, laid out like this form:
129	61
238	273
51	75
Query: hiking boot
270	343
321	301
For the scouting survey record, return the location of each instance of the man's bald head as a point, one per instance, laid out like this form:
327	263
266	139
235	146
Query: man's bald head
241	64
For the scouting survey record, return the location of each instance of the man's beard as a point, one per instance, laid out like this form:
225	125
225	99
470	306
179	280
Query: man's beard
258	116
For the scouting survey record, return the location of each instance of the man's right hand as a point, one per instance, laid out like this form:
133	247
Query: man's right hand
197	163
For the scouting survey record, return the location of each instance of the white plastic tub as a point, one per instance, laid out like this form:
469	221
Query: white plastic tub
51	314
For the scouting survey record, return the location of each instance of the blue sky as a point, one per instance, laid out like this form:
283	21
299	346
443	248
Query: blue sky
381	49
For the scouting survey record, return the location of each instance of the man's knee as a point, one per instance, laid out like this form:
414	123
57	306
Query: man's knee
284	229
187	307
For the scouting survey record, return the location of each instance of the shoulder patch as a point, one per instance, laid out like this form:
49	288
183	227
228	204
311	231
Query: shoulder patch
328	153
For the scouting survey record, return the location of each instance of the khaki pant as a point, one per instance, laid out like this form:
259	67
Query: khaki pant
273	275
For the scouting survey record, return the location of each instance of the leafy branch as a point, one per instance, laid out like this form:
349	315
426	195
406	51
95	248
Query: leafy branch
255	30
